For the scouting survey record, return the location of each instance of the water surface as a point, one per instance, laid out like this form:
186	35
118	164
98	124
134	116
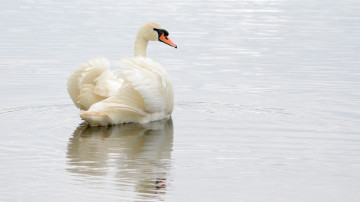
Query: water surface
267	98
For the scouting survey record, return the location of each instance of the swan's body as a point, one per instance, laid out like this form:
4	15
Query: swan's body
140	92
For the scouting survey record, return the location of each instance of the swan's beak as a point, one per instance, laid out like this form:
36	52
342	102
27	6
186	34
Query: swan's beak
166	40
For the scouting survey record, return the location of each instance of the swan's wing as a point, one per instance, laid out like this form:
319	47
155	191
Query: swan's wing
150	81
145	94
125	106
91	83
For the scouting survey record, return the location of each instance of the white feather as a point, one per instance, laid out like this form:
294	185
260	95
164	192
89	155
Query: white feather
141	91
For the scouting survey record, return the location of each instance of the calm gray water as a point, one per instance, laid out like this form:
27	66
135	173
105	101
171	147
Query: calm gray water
267	102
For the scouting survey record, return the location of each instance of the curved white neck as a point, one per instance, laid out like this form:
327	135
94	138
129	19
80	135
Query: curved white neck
140	46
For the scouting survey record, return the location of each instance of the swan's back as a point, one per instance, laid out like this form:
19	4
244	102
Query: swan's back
151	81
91	83
140	92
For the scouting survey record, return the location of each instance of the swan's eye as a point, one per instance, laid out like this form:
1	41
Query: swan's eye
161	31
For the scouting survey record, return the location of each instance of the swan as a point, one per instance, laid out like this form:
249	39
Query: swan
140	92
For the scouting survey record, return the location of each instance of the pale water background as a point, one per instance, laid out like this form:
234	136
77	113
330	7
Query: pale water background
267	102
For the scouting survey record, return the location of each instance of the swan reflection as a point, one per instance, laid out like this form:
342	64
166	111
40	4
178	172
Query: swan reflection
133	156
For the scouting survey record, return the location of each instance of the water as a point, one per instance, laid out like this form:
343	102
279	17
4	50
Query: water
267	102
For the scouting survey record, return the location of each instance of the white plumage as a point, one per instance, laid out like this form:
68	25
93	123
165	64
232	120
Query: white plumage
141	91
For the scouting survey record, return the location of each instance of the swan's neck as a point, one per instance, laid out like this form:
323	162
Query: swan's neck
140	46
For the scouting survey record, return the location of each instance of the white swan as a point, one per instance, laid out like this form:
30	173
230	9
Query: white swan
140	92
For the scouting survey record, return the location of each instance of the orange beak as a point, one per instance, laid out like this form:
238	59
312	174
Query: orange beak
166	40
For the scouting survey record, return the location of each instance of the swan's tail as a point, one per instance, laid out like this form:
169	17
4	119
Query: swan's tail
82	82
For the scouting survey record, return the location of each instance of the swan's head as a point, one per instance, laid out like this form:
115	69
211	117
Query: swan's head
154	32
